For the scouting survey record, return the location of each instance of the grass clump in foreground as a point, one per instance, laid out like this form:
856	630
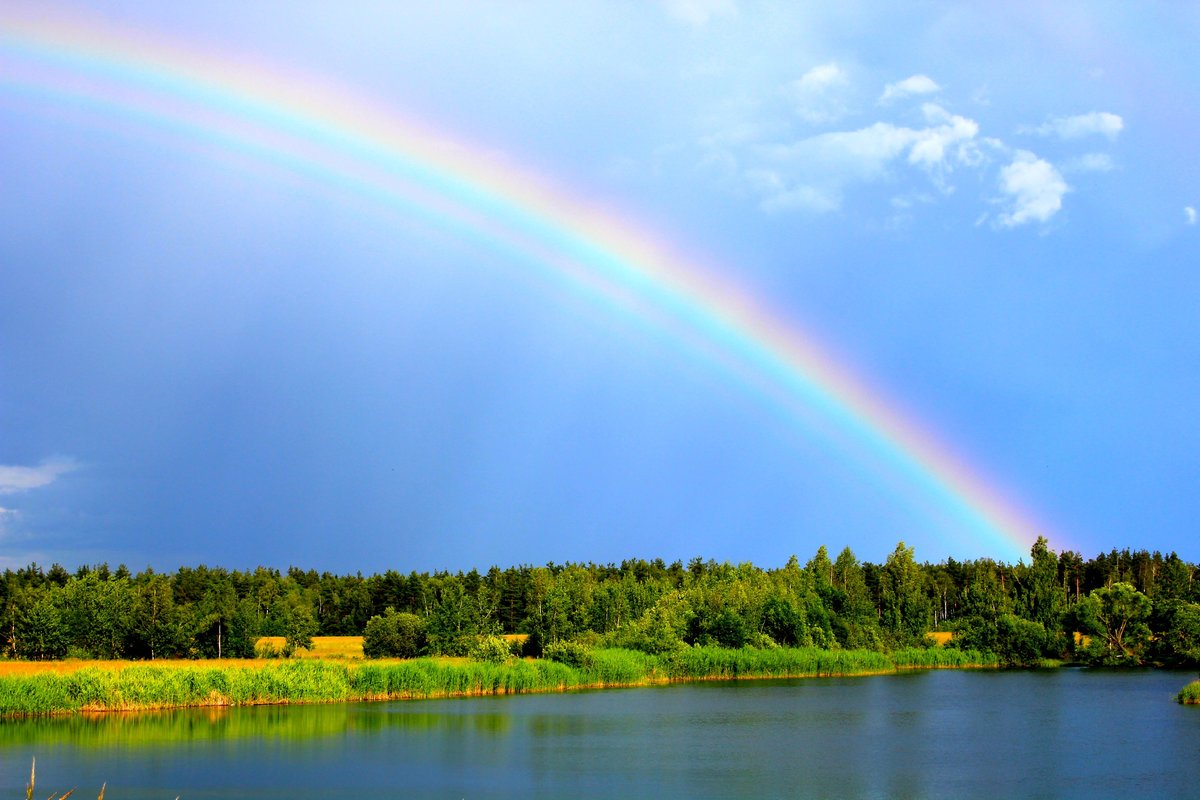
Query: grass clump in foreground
33	775
1190	694
152	686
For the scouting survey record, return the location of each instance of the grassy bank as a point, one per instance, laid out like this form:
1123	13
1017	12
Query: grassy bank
1190	694
153	686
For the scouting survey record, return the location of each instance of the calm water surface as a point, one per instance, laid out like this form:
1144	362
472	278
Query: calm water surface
1064	733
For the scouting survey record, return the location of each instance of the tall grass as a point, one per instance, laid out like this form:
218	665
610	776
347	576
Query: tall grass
314	681
942	658
1189	694
29	789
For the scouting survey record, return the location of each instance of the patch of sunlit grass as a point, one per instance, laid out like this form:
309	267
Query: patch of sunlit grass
70	665
323	646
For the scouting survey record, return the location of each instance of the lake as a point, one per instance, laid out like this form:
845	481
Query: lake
1056	733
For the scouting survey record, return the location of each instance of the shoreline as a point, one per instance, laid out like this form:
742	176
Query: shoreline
94	689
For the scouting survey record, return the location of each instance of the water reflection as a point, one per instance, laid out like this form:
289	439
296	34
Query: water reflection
277	722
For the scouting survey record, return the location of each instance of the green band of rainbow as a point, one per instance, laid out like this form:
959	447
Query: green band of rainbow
328	135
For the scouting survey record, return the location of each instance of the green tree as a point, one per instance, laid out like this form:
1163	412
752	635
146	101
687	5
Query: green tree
1019	642
98	614
213	614
1041	597
661	628
1115	618
294	621
905	607
43	635
1178	639
158	623
820	569
453	623
784	622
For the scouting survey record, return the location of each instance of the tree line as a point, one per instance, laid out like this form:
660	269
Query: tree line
1123	607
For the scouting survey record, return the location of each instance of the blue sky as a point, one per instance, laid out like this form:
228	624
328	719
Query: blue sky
989	214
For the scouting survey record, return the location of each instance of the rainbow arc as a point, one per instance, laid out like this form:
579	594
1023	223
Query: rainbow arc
360	146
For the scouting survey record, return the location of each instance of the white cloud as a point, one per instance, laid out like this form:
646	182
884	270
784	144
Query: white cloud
784	168
699	12
1035	187
1090	162
21	479
916	84
1189	215
779	197
811	173
948	134
865	151
815	95
1096	123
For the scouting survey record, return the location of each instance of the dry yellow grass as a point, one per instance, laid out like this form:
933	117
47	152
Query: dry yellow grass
327	647
941	637
323	646
73	664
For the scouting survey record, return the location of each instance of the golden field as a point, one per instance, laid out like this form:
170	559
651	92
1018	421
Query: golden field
336	648
323	646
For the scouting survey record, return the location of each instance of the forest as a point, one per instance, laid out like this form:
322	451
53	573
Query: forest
1119	608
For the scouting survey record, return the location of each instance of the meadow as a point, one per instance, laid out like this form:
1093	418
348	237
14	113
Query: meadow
66	687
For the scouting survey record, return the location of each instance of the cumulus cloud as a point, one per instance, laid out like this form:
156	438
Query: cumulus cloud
914	85
815	95
1096	123
1090	162
20	479
1189	215
1034	188
787	168
778	196
811	173
948	137
699	12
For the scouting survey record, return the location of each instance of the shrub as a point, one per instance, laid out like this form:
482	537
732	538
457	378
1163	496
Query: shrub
573	654
491	649
761	641
394	635
265	649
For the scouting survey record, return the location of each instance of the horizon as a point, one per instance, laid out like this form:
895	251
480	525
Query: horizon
481	570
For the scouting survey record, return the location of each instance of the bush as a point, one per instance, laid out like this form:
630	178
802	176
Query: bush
573	654
394	635
761	641
265	649
491	649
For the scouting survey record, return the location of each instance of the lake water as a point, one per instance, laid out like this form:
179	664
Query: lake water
1063	733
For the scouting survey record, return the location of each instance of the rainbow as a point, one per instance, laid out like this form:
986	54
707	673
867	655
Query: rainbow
327	134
